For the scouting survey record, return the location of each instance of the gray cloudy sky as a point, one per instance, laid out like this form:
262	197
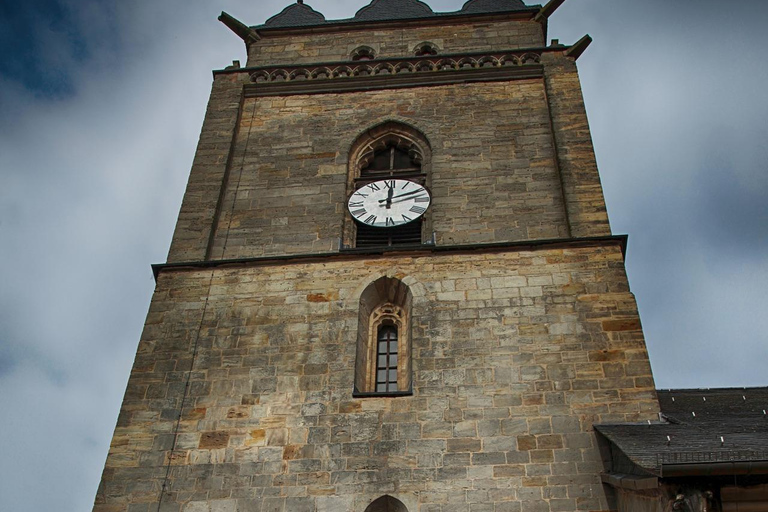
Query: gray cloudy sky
101	102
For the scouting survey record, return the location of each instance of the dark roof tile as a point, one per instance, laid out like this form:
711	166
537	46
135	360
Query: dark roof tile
296	15
730	425
301	15
483	6
393	9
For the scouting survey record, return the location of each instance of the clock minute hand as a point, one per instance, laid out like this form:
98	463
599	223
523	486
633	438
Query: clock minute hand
404	199
403	195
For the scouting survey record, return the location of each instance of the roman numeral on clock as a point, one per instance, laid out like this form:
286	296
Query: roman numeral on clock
407	218
370	220
373	187
390	222
390	184
356	204
421	199
359	213
418	209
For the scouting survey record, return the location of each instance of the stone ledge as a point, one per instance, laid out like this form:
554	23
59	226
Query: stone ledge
633	482
410	251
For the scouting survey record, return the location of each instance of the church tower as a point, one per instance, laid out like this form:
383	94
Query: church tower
392	285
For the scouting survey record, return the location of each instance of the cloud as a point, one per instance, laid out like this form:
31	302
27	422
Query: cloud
91	185
49	461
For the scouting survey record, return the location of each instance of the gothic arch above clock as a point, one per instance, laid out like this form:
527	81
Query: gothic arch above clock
390	150
403	136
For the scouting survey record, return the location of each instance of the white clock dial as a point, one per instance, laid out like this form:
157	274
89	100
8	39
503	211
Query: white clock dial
389	203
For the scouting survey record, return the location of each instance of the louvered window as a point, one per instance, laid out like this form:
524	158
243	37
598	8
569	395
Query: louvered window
368	236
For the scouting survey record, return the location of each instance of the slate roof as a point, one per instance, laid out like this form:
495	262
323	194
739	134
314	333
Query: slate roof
302	15
393	9
703	425
296	15
483	6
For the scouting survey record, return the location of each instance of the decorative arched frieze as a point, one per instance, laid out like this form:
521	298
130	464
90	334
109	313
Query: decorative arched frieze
427	64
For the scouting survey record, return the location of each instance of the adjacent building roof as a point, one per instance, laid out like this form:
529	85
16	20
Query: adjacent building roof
302	15
698	426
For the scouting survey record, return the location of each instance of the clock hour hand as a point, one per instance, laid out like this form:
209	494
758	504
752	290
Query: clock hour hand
389	196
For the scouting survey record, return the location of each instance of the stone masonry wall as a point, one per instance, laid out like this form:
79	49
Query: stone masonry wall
582	190
388	42
494	176
209	171
515	355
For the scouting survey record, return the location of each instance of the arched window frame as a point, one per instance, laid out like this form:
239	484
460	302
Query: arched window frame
386	504
362	152
363	53
425	49
385	302
388	314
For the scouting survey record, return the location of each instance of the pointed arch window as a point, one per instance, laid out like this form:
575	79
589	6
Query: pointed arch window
383	362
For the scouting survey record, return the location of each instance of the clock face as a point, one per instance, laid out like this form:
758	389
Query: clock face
389	203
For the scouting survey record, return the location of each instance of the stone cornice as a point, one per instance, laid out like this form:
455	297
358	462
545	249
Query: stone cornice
416	251
398	72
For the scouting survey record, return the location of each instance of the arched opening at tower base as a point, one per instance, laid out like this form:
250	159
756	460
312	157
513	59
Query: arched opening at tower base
386	504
